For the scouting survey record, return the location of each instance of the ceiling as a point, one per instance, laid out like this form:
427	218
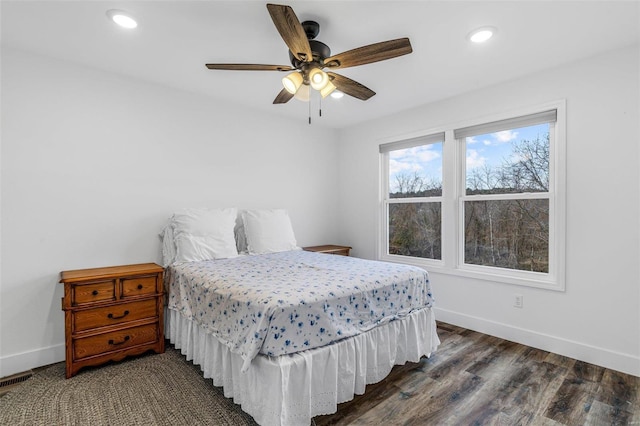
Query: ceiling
174	40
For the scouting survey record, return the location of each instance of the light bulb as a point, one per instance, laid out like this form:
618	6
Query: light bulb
318	78
292	82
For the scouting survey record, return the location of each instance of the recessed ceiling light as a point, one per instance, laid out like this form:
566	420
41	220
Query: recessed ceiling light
336	94
122	18
480	35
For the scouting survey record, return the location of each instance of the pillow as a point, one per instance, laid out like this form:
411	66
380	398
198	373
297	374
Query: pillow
268	231
203	234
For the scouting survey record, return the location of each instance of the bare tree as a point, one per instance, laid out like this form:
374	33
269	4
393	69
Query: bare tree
530	173
408	185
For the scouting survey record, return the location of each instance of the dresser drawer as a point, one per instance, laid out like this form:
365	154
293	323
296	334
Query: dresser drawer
114	341
138	286
110	315
93	292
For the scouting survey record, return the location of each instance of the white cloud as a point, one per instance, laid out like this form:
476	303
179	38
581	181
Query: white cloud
398	154
474	159
471	140
427	155
412	159
396	167
423	153
486	142
505	136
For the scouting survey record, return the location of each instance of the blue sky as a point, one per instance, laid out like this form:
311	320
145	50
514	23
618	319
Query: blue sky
493	148
482	150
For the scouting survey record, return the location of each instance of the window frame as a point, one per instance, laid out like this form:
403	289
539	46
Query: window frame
454	196
428	138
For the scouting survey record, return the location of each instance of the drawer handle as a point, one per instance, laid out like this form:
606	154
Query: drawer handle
114	343
139	286
121	316
94	292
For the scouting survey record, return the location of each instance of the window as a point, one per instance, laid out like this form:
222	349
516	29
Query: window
506	194
413	197
498	185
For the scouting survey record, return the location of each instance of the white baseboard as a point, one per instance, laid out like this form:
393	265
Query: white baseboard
625	363
25	361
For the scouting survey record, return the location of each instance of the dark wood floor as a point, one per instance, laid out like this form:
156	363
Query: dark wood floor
476	379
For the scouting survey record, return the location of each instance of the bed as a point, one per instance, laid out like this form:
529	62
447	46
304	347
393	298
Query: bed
290	334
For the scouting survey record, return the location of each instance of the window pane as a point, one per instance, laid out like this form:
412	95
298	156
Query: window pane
416	172
509	161
510	234
414	230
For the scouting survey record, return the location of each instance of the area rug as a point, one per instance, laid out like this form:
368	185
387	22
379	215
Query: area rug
151	389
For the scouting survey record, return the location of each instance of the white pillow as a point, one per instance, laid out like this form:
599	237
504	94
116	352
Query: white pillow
268	231
203	234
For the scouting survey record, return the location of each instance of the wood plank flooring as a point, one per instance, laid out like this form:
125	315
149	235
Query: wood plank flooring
476	379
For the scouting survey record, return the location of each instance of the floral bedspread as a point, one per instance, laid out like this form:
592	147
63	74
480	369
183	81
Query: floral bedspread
282	303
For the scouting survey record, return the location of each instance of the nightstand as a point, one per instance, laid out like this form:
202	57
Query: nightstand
330	249
111	313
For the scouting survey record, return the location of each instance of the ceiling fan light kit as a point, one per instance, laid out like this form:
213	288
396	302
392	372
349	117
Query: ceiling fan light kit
304	93
318	78
327	90
309	57
292	82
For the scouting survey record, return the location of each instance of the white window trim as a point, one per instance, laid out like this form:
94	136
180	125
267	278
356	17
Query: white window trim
427	137
452	262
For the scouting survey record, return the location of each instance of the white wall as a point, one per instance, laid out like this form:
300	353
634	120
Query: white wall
93	164
597	318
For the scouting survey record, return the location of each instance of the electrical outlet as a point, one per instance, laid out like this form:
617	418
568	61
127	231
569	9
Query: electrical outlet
518	300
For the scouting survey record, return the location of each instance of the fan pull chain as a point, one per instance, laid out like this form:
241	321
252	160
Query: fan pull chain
309	107
320	107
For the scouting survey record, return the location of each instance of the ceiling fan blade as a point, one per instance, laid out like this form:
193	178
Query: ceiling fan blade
371	53
350	87
291	31
283	97
249	67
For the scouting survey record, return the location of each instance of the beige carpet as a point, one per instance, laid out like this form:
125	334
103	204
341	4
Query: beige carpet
148	390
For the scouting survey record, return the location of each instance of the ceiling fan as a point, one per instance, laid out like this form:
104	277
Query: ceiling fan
309	57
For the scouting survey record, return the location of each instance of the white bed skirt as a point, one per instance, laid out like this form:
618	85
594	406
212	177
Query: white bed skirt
291	389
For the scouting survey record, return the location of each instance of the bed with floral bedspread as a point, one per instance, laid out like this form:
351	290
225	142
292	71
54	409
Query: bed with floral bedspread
289	335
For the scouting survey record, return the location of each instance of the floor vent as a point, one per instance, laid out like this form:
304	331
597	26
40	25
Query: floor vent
7	383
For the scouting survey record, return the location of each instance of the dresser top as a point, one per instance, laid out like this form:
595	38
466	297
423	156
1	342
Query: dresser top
109	272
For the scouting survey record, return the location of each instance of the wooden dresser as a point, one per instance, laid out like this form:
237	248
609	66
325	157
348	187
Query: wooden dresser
111	313
330	249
